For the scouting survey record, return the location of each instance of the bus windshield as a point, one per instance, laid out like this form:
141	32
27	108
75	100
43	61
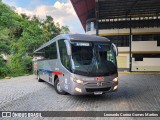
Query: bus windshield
93	59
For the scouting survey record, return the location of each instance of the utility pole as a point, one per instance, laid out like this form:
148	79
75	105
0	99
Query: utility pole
130	46
97	16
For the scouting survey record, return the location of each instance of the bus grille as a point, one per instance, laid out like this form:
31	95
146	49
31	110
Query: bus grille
95	84
97	89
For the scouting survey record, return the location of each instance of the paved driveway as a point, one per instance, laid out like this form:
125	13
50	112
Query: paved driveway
136	92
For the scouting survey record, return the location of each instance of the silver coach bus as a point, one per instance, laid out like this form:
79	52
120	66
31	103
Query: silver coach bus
78	64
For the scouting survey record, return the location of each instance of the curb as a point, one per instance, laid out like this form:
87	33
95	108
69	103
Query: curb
149	73
6	78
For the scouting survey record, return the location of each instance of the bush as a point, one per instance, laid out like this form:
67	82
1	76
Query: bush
27	64
3	68
20	65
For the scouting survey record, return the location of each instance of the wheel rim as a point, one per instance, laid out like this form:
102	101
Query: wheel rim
59	87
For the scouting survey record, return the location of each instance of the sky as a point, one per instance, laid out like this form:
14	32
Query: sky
61	10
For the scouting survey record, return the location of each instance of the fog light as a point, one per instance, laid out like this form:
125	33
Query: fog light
115	87
78	89
115	79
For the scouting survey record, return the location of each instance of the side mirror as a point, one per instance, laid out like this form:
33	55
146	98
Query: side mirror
115	49
68	46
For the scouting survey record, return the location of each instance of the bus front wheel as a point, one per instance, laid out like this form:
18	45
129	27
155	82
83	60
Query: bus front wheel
58	87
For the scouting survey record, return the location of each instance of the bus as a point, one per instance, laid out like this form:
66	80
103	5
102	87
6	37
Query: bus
78	64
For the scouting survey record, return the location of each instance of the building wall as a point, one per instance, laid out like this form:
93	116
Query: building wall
123	57
147	48
110	32
148	64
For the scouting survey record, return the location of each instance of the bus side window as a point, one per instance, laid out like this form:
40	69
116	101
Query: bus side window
39	55
63	54
51	51
110	56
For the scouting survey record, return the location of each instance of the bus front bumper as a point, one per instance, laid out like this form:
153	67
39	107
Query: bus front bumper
96	88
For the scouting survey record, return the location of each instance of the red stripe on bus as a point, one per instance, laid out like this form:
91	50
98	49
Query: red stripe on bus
57	73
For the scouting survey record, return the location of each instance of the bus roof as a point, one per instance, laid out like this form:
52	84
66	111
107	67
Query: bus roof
74	37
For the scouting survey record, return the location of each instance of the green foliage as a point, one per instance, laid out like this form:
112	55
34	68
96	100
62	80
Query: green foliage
20	36
27	64
15	65
3	68
64	30
19	65
4	46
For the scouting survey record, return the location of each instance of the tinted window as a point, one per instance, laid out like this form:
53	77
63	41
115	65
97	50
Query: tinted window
93	59
39	55
51	51
63	53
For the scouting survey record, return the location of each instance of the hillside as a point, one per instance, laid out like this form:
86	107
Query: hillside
20	35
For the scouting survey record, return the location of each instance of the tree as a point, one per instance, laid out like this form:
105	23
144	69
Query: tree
20	36
15	65
4	47
50	27
64	30
3	68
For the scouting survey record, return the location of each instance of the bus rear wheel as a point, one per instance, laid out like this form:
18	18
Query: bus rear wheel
39	79
58	87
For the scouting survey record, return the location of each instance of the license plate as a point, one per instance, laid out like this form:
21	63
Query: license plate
98	93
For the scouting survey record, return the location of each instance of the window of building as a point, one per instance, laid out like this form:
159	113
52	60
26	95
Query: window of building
149	37
139	57
125	23
88	26
158	43
143	37
120	40
63	53
157	38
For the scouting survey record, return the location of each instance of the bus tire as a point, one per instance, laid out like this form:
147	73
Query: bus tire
58	88
39	79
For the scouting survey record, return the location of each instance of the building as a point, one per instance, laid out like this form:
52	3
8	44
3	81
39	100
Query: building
133	25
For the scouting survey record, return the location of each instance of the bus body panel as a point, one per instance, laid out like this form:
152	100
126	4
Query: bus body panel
47	69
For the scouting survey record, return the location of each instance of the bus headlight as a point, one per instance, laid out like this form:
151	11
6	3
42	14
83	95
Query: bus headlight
115	79
77	80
